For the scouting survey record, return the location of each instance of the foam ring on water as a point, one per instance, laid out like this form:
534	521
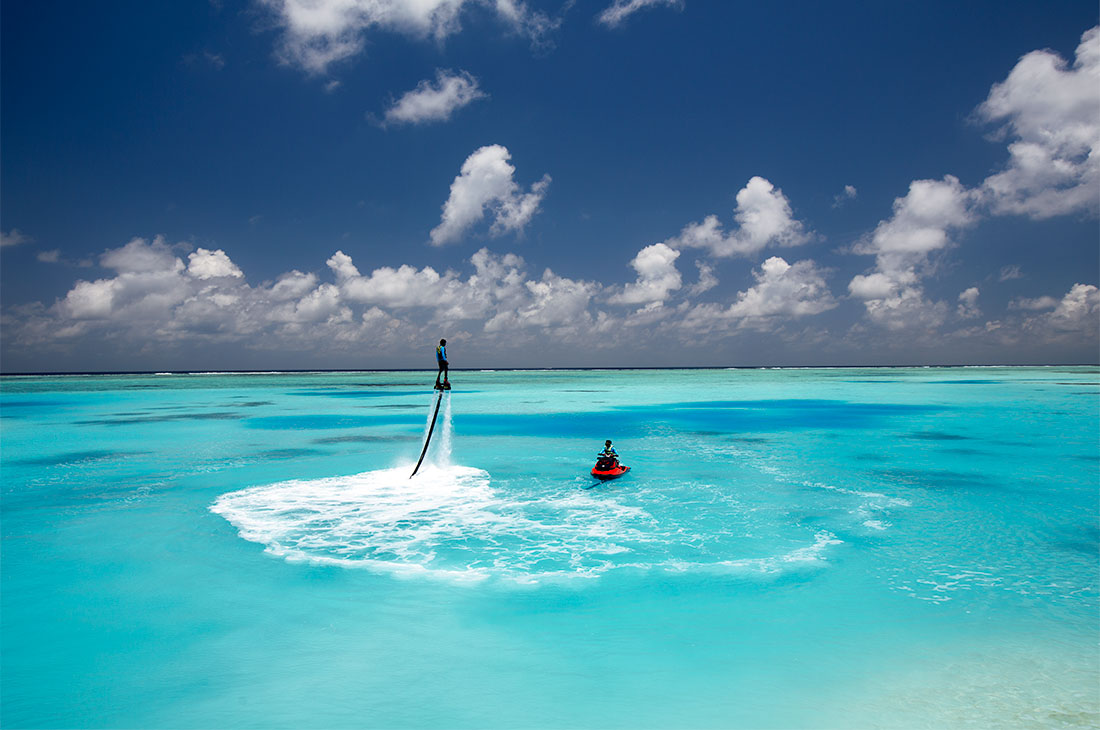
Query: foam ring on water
449	523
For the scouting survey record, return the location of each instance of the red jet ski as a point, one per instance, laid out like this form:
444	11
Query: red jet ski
608	467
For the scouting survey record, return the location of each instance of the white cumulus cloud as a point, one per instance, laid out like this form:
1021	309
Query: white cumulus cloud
149	282
764	218
317	33
907	308
796	289
1073	319
1078	311
1051	113
486	182
921	225
1036	304
12	238
707	279
404	286
552	301
616	14
850	193
968	303
922	219
657	276
435	102
205	264
782	291
872	286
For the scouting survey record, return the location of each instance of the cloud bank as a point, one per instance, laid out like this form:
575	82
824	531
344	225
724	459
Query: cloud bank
152	299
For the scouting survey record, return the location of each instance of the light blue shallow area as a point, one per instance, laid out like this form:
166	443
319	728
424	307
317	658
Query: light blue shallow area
792	548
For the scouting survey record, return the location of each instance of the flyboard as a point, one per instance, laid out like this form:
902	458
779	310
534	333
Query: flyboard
431	429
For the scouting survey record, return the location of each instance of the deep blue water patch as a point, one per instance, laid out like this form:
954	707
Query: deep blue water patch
331	393
288	453
318	422
965	382
551	425
937	436
75	457
778	415
873	380
30	408
737	439
6	404
717	417
218	416
91	494
936	478
1086	541
365	439
839	407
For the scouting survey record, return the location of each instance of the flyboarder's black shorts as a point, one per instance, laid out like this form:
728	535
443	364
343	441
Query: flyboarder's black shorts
442	366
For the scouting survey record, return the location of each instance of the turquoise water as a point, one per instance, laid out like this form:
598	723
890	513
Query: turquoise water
793	548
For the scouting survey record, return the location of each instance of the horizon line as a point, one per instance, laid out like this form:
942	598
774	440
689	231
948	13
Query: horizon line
300	371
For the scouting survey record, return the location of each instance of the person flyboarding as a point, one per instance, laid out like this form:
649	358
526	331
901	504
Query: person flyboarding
441	360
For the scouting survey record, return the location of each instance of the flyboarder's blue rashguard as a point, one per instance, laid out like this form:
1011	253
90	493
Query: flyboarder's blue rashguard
441	360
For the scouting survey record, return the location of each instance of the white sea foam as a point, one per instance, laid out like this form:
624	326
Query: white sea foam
450	523
805	556
447	522
870	508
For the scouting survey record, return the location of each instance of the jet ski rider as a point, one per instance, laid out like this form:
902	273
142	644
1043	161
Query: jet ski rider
609	451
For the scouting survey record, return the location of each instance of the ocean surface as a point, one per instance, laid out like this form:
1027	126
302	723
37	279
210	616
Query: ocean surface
793	548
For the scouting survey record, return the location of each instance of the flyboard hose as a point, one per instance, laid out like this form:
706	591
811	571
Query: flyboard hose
428	440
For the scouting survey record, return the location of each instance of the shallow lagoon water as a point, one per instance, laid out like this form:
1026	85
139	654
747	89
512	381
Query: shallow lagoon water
793	548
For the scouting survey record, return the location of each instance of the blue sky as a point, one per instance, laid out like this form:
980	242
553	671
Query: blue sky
337	184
